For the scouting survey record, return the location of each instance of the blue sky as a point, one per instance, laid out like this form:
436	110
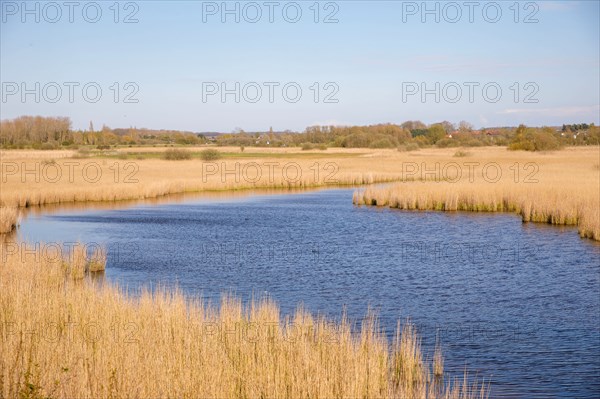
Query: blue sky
546	64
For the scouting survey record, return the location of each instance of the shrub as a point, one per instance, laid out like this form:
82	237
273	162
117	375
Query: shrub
322	147
175	154
356	140
461	154
307	146
210	154
446	142
528	139
544	141
473	143
421	141
382	143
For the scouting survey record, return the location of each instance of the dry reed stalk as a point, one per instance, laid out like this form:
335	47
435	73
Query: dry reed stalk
554	205
63	338
438	361
76	261
97	261
557	178
9	217
154	178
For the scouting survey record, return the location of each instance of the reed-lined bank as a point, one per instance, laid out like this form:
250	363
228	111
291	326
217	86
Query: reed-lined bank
36	182
559	188
549	205
66	337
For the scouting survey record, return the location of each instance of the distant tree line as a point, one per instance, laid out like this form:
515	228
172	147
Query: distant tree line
27	131
576	127
416	133
547	139
55	132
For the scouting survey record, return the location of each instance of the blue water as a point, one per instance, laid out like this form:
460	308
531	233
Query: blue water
518	304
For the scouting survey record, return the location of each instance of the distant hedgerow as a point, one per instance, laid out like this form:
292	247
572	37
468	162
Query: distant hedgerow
175	154
210	154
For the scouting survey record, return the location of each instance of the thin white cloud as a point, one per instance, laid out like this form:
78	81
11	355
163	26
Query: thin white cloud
559	111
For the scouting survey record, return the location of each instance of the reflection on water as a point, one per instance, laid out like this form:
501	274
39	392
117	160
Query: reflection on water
517	303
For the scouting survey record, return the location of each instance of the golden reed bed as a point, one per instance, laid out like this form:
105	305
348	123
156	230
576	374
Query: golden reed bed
29	180
64	336
557	188
8	219
561	187
554	206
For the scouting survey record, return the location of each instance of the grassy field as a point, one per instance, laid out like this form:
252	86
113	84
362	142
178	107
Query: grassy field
42	178
64	336
558	187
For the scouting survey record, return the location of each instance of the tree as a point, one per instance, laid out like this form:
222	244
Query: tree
413	125
530	139
448	126
465	127
435	133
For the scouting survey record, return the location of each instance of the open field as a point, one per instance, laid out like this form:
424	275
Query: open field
557	187
30	181
63	336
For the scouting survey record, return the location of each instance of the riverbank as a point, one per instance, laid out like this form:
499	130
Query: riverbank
561	188
558	187
40	178
64	336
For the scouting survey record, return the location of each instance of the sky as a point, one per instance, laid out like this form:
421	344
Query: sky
218	66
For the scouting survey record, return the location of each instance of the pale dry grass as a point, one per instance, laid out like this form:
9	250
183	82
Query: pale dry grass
9	155
564	190
589	223
97	260
75	263
66	338
560	187
9	217
140	179
438	361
